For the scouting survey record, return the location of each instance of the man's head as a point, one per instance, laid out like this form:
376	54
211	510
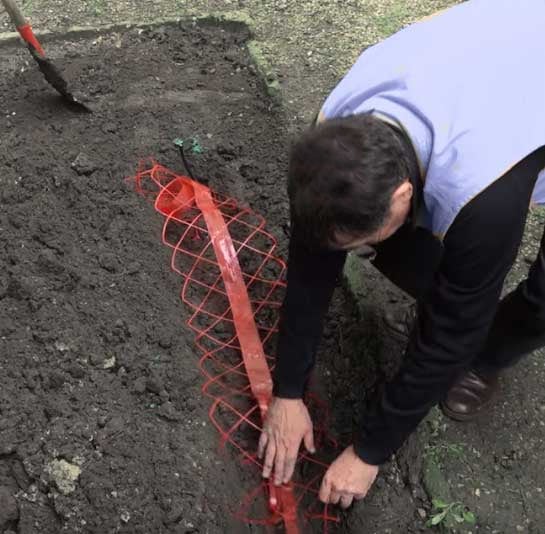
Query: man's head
348	183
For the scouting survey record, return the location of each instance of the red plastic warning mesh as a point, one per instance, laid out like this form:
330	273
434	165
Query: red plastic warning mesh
233	285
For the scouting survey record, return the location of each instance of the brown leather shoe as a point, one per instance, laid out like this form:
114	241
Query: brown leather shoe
470	396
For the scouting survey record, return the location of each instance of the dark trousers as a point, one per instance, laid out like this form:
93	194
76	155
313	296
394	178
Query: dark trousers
411	258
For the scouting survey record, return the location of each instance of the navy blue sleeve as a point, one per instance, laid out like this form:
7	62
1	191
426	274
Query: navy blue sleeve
312	277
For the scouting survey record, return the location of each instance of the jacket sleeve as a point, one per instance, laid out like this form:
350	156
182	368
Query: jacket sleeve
312	277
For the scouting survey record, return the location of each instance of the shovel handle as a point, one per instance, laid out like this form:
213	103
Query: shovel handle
14	13
22	26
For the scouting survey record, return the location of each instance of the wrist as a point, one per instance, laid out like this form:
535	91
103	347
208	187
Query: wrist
288	391
285	400
369	455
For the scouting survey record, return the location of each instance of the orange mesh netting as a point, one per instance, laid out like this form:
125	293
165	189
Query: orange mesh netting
233	285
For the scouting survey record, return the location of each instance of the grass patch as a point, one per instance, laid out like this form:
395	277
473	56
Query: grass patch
439	452
97	7
454	512
390	22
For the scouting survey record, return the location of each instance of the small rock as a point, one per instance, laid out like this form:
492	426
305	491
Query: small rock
189	526
51	411
228	151
125	517
176	511
8	507
116	425
165	340
108	261
61	347
102	420
20	288
133	267
20	475
140	385
109	127
97	359
7	448
76	370
122	375
64	474
421	513
109	363
154	384
48	262
83	165
55	380
169	412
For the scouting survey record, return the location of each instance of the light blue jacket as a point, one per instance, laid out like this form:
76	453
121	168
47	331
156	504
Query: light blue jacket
468	87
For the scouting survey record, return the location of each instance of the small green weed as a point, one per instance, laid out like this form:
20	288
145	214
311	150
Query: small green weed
442	450
191	143
390	22
28	7
97	7
457	511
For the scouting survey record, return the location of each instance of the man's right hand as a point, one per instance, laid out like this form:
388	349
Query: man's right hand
286	425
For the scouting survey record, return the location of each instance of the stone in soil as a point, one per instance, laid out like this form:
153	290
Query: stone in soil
9	510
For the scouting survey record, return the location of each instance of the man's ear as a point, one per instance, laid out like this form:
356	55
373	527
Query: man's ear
404	192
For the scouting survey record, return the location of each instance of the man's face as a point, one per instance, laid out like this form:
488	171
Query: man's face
400	207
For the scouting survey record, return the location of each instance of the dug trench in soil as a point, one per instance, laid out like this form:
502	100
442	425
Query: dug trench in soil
102	424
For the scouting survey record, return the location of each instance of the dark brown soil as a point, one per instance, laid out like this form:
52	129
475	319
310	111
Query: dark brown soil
97	368
96	365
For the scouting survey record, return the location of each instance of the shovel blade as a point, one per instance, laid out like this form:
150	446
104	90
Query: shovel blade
54	77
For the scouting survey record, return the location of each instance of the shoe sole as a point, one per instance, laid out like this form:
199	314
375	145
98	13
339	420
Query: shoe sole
459	417
466	418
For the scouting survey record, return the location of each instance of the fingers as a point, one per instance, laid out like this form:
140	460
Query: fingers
309	441
278	458
337	497
289	467
334	497
329	495
263	439
325	491
346	500
279	463
270	453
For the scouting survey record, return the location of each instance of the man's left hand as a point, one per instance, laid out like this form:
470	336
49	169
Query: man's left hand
347	478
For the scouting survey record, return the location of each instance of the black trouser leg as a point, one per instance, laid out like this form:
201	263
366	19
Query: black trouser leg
410	259
519	325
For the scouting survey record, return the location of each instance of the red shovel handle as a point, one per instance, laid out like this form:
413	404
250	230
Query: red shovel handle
28	36
22	26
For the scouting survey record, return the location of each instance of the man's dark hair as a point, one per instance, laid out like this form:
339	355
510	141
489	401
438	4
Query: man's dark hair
342	175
